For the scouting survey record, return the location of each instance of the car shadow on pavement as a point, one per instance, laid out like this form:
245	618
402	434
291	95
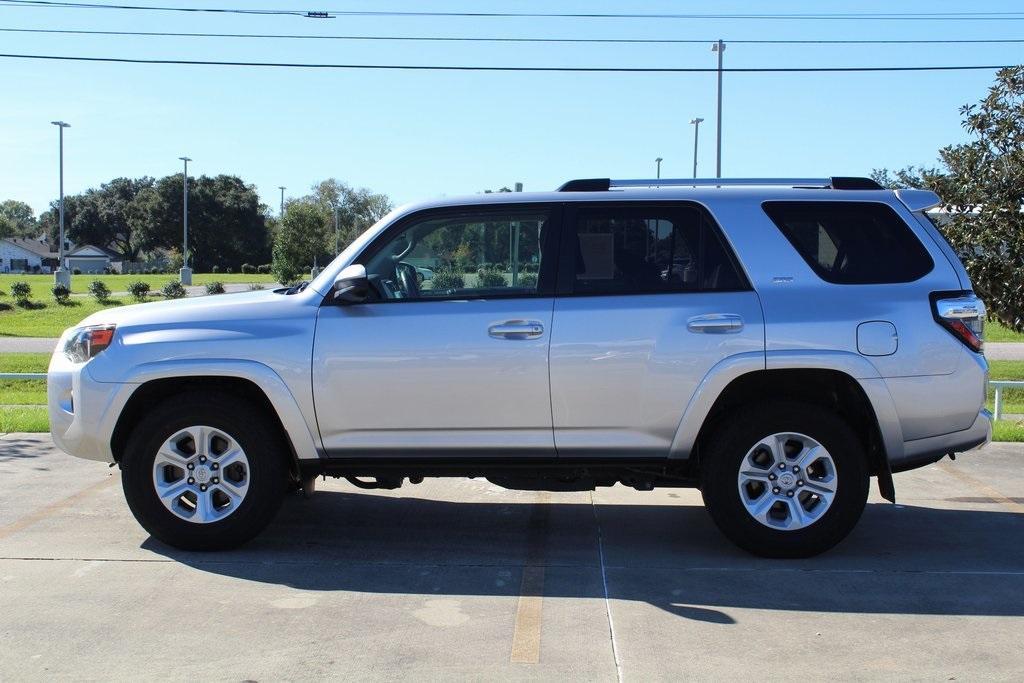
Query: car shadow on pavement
899	560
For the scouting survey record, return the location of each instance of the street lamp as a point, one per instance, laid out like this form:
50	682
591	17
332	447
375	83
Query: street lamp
657	172
719	47
186	273
282	188
696	128
61	276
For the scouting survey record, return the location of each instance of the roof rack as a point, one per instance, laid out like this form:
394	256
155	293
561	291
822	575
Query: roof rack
834	183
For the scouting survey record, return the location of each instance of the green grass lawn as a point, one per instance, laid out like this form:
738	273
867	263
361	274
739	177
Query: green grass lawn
23	392
41	284
994	332
47	318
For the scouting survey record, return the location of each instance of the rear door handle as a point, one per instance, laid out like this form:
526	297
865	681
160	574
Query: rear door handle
516	329
715	323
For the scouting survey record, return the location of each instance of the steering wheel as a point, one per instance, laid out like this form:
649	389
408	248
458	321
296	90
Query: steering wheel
406	275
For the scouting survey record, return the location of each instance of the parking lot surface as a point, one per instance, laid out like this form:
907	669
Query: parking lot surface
459	579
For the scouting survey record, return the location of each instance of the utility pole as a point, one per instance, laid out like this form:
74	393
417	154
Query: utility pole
337	243
696	128
657	171
185	275
61	276
719	47
282	188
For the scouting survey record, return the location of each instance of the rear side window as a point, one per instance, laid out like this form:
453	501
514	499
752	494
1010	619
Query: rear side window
852	243
648	249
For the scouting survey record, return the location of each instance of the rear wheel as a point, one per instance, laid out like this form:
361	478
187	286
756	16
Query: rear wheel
202	472
785	479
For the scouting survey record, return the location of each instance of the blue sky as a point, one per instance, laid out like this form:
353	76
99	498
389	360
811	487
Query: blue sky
417	135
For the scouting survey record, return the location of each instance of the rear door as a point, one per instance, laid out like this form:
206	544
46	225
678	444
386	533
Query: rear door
650	299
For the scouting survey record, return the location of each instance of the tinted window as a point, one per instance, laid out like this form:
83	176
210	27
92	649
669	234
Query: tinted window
648	249
852	243
469	255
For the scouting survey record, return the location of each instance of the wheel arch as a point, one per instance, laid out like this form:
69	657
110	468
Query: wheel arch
259	385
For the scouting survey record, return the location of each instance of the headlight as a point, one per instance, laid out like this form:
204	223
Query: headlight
86	342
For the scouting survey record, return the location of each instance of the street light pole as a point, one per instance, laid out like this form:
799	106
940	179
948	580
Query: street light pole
186	272
696	128
719	47
657	172
61	276
282	188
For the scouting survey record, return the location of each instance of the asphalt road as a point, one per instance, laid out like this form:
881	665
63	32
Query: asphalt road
458	579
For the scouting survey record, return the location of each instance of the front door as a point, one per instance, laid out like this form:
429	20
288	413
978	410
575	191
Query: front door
650	299
450	356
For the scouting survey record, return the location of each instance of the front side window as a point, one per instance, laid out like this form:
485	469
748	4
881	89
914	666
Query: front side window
852	243
467	255
648	250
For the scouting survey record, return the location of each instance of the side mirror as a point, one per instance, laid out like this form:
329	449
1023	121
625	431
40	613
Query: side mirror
351	285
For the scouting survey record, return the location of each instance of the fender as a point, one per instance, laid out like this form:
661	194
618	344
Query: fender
298	429
728	369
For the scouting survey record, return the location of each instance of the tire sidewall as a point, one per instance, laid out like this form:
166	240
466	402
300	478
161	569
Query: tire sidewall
729	445
267	474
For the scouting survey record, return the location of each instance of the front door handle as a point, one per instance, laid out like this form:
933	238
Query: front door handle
715	323
516	329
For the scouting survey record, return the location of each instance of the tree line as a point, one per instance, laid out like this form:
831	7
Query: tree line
228	225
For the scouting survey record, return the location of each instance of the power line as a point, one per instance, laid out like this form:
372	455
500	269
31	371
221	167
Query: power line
577	69
897	16
651	41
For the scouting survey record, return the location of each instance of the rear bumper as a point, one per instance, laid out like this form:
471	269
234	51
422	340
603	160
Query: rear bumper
921	452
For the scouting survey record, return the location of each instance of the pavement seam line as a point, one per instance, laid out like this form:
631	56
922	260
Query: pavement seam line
42	513
530	607
982	487
604	582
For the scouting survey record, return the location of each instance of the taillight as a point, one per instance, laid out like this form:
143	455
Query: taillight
963	314
87	342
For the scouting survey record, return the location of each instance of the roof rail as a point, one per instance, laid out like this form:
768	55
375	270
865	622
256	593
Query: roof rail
605	184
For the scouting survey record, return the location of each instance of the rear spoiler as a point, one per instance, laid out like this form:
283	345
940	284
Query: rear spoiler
918	200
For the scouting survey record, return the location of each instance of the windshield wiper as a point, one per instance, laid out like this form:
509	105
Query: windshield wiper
297	287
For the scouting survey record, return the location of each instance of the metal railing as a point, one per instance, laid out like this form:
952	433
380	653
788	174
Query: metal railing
998	386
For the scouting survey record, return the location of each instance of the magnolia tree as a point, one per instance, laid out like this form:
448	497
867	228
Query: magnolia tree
981	184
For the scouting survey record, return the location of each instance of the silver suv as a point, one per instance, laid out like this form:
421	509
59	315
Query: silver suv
774	343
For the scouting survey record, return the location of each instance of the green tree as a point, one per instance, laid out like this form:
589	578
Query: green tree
17	219
302	238
358	209
981	183
226	222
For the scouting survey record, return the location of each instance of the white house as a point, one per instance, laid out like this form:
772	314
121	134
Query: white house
87	258
20	255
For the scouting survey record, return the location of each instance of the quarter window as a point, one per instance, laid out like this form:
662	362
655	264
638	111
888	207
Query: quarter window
852	243
649	249
469	255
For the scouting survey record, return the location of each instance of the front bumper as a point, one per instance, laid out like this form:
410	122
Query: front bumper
921	452
83	412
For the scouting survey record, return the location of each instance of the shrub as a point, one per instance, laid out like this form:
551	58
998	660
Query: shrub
527	281
447	278
263	268
255	287
76	271
228	270
215	270
491	277
21	291
61	293
285	272
248	268
215	287
139	290
99	290
173	290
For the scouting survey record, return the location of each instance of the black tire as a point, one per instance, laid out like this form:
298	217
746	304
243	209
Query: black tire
268	472
723	452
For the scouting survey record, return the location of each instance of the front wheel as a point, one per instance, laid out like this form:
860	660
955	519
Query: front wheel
784	480
203	472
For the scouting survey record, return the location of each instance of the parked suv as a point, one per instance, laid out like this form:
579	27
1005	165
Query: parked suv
774	343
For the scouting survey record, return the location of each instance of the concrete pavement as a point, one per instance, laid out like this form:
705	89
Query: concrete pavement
461	579
1004	350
